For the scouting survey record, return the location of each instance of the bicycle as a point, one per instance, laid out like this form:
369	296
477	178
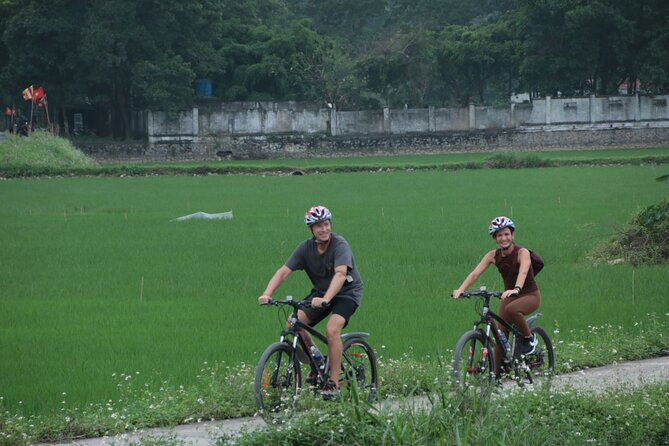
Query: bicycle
474	355
278	379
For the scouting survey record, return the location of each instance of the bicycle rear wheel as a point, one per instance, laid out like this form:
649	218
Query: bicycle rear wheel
542	361
359	368
473	362
277	383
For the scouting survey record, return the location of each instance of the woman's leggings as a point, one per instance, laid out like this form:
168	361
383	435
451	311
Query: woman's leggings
513	310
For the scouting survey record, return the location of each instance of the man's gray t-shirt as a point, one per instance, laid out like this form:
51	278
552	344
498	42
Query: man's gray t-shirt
320	267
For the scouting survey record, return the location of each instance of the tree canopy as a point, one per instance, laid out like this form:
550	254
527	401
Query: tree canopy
119	56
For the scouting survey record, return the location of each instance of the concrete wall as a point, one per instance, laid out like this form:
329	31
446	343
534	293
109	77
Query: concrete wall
359	122
248	118
213	118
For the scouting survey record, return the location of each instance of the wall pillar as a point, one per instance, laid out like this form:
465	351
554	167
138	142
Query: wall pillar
386	120
149	123
637	112
332	116
431	119
549	118
472	117
593	118
196	121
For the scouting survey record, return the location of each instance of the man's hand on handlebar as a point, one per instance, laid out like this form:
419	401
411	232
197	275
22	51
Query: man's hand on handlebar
456	294
319	302
264	299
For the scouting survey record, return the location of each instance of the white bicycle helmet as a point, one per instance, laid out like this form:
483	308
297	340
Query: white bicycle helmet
498	223
317	214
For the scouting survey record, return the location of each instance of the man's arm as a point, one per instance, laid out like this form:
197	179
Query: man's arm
335	286
275	282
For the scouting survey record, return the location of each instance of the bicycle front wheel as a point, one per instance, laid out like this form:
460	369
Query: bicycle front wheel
359	368
473	362
277	383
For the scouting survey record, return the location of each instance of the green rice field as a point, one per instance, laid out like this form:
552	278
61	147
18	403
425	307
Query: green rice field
96	280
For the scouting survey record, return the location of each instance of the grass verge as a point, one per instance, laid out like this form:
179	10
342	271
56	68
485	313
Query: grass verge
223	391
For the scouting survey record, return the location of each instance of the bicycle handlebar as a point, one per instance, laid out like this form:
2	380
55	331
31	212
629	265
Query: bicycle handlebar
296	304
481	293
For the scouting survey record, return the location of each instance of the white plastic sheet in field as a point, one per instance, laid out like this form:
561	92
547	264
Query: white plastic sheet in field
205	216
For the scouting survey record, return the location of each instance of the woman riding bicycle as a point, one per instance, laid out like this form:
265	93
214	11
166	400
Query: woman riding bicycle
521	296
327	259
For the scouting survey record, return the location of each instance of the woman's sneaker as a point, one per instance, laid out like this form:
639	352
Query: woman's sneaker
528	345
330	391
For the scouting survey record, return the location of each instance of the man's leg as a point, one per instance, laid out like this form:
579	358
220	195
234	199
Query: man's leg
333	331
305	319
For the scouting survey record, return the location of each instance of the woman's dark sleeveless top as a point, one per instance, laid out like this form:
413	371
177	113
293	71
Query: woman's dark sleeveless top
509	266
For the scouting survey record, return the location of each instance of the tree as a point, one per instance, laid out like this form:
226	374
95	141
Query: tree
652	47
164	84
41	39
333	75
179	39
477	62
401	68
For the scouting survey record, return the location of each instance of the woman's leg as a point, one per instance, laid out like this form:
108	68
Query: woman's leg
514	309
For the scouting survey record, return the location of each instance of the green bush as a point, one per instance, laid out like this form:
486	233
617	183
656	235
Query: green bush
510	161
644	242
39	154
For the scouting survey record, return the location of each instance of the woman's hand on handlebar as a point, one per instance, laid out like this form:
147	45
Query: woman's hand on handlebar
509	293
456	294
264	299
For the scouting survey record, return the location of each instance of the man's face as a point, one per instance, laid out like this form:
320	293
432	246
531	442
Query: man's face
321	231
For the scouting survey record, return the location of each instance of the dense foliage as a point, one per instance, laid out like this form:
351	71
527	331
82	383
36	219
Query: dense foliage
644	241
120	55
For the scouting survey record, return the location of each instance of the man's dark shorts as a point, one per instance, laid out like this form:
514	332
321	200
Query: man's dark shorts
343	306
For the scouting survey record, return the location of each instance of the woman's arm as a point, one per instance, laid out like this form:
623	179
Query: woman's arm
485	262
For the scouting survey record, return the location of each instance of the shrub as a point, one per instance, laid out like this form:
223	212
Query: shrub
39	154
510	161
644	242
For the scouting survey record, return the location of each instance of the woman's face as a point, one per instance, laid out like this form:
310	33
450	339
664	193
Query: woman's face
504	238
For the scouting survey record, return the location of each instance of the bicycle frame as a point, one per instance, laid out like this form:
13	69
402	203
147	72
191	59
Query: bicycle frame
473	354
490	319
295	328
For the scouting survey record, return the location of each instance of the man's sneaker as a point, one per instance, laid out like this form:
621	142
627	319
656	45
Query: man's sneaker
330	391
528	345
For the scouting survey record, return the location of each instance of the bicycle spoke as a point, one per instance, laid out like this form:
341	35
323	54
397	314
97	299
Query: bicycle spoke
359	368
473	361
277	383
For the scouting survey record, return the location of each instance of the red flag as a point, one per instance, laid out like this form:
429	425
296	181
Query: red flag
28	93
41	102
38	94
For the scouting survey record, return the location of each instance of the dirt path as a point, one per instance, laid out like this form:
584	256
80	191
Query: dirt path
616	377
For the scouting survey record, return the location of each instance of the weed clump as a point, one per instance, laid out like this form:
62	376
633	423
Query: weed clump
645	241
510	161
41	153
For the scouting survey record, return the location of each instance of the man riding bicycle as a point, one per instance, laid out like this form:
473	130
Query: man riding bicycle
327	259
